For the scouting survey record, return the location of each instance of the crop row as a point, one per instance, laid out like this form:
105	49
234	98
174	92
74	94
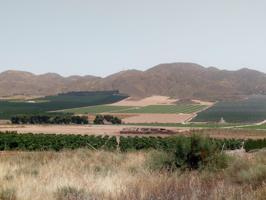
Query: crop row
41	142
165	109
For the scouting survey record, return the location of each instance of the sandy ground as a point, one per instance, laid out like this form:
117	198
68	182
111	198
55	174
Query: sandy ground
72	129
114	130
158	118
153	100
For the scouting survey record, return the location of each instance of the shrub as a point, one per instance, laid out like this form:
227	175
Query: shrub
70	193
100	119
255	144
195	152
189	153
8	194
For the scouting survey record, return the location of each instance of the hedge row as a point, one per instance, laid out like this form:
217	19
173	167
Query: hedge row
49	119
33	142
255	144
42	142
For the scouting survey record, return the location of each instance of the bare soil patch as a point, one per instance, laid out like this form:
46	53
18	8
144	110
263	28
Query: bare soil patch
72	129
153	100
115	130
158	118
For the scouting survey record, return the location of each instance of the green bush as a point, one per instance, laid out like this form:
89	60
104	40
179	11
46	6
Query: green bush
188	153
255	144
100	119
195	152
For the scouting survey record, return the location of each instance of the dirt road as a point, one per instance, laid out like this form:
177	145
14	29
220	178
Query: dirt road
72	129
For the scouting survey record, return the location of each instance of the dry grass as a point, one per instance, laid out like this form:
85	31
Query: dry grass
87	175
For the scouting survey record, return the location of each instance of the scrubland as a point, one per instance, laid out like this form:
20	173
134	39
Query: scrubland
85	175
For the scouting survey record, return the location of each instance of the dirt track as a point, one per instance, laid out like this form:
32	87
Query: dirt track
153	100
72	129
114	130
158	118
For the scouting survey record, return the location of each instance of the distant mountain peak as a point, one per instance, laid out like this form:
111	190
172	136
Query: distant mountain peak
181	80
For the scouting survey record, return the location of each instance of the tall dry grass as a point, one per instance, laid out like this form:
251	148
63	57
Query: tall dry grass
86	175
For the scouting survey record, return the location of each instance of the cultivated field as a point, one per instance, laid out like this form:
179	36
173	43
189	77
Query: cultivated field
98	109
153	100
166	109
157	118
155	109
151	109
248	110
10	108
98	175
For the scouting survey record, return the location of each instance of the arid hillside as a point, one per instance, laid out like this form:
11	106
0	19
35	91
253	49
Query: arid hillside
180	80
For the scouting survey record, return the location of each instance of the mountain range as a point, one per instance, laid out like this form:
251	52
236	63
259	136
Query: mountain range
181	80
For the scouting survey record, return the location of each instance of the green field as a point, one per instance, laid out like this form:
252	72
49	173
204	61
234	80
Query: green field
58	102
97	109
167	109
153	109
249	110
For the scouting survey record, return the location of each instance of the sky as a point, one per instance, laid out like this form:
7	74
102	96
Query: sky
101	37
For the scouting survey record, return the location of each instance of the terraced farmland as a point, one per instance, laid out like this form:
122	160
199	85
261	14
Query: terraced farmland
166	109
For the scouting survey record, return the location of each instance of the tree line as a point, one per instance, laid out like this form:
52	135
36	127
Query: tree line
63	119
49	119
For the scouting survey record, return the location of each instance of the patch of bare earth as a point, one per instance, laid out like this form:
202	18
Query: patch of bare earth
115	130
158	118
72	129
153	100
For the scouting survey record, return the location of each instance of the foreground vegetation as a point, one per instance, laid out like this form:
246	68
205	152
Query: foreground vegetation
99	175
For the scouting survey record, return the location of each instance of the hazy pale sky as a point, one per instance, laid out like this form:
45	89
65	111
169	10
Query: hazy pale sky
100	37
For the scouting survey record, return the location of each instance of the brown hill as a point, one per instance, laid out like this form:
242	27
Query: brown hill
182	80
